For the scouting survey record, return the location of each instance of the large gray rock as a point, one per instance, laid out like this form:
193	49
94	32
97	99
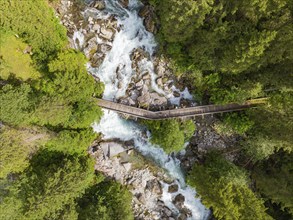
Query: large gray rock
112	149
154	186
144	100
178	201
105	147
157	99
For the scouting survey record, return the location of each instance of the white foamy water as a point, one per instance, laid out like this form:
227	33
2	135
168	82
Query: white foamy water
112	127
133	35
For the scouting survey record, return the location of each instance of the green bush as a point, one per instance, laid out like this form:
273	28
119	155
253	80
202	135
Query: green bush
72	142
107	200
170	134
224	187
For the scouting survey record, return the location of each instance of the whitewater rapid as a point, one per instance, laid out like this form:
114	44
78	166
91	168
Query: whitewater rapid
131	36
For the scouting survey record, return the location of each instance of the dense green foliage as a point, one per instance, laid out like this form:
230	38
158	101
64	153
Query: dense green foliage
108	200
274	179
224	187
233	123
17	146
170	134
232	51
15	104
47	107
51	182
71	141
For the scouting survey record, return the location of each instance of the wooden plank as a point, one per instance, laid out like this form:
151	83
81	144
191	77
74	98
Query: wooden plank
177	113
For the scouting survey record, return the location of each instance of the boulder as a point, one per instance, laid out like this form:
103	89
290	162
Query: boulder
173	188
182	216
154	186
167	211
140	198
157	99
139	84
144	100
106	33
99	4
96	60
96	27
159	82
105	148
91	47
104	48
114	148
146	76
124	3
150	25
127	166
178	201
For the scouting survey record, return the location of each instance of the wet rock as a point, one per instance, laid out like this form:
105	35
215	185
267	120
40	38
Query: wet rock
138	54
160	204
184	103
150	25
159	82
91	47
98	4
134	94
146	76
178	201
154	186
139	84
124	3
144	100
173	188
96	60
148	15
167	211
104	48
107	33
158	100
182	216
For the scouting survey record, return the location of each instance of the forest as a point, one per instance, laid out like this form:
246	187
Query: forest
232	51
224	51
46	172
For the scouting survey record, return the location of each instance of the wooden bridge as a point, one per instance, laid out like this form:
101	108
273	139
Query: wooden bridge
180	112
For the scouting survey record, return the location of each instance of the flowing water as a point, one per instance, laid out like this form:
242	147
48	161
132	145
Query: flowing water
131	36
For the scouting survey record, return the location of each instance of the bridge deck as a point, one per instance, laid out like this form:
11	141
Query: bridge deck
177	113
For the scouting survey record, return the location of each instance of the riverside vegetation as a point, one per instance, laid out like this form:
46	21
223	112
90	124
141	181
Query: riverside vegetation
47	107
231	51
228	51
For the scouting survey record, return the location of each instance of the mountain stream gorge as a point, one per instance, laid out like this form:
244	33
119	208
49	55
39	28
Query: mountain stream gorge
116	66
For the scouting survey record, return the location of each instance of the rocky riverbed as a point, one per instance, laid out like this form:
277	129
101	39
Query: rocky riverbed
141	79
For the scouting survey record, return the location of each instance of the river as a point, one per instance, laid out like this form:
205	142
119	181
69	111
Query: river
131	36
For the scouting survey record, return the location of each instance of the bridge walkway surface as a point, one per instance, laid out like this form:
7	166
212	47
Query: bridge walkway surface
180	112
